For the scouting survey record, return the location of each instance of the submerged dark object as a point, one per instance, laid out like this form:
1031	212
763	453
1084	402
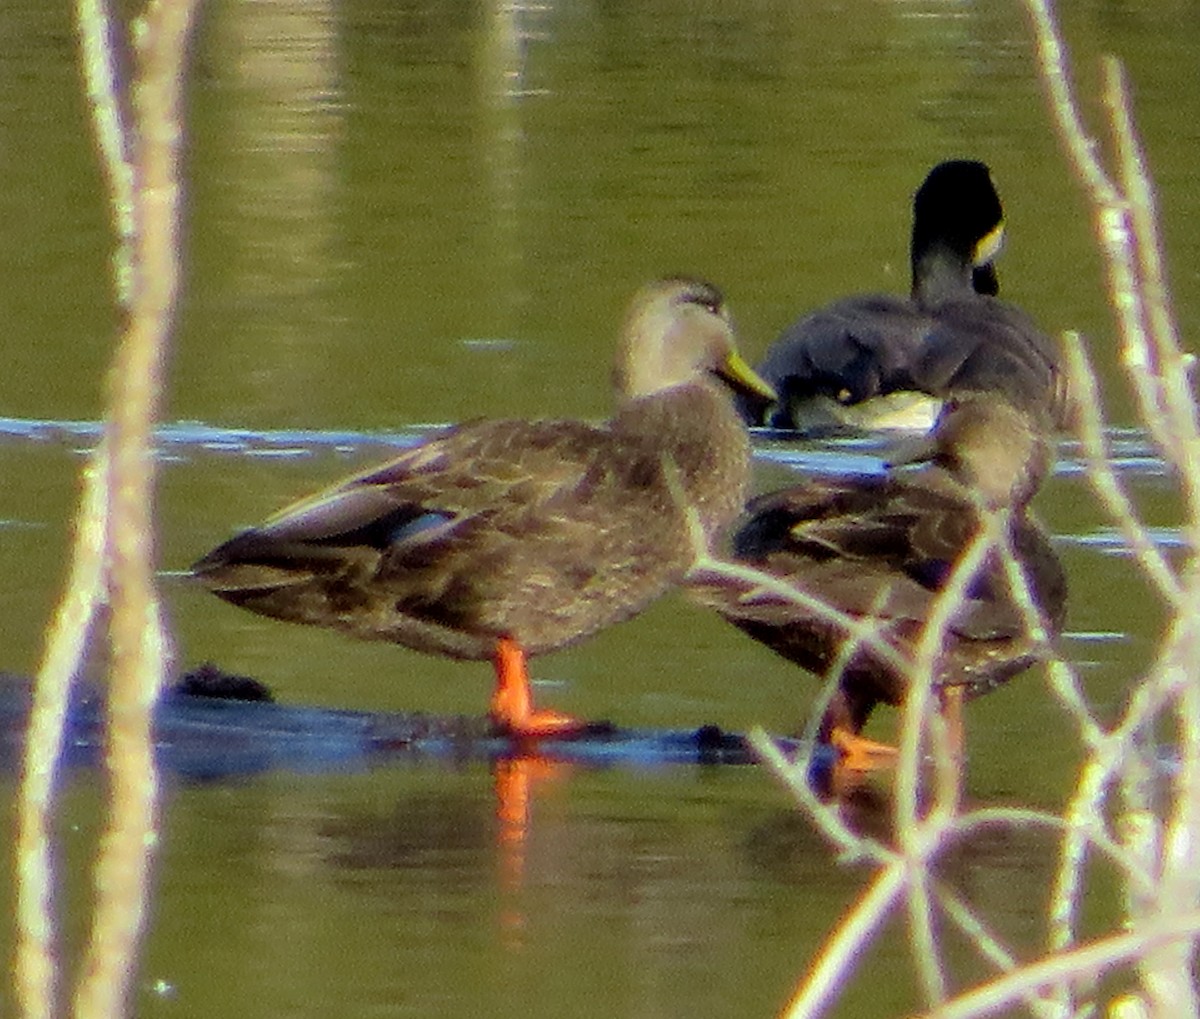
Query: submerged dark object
202	737
876	360
881	548
503	539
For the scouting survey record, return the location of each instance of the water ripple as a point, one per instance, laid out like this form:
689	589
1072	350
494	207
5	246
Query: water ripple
179	436
1110	541
1130	448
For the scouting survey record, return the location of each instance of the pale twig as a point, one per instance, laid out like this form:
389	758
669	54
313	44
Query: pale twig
1103	478
1052	66
866	631
985	818
850	844
110	123
834	963
137	636
1140	830
66	640
915	714
1137	293
706	569
1062	677
1114	227
860	632
1086	962
922	839
1011	817
1083	818
1086	823
1161	940
1166	971
1084	814
990	948
68	634
758	584
1152	292
923	937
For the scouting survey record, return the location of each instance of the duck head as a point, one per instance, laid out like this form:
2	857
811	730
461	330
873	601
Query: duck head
678	331
989	446
958	226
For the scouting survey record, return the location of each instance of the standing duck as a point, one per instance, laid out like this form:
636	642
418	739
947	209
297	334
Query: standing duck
881	548
503	539
880	361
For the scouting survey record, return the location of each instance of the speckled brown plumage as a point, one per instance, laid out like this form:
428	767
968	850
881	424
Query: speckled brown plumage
883	546
533	533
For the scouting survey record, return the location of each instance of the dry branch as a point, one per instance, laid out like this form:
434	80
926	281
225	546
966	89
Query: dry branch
139	134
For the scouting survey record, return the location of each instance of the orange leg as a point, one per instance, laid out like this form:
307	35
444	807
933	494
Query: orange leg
512	702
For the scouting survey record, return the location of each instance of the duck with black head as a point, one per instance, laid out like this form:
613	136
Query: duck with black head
875	361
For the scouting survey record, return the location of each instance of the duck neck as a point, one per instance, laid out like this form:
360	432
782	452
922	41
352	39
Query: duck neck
939	274
695	428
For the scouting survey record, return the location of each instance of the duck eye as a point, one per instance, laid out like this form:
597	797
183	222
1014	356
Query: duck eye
707	302
703	295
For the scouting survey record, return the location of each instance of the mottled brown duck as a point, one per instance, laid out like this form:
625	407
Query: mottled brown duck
504	539
882	547
883	361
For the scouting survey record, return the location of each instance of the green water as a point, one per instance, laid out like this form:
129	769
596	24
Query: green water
410	212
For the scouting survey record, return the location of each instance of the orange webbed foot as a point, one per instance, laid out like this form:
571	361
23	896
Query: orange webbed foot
539	724
512	707
857	753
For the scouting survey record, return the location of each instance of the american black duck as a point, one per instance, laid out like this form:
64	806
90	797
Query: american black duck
882	547
862	361
503	539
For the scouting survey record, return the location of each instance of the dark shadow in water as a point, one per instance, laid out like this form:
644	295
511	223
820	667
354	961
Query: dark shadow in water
213	726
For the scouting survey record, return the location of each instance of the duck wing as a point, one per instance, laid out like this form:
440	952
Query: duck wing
866	546
983	344
541	530
882	548
850	351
